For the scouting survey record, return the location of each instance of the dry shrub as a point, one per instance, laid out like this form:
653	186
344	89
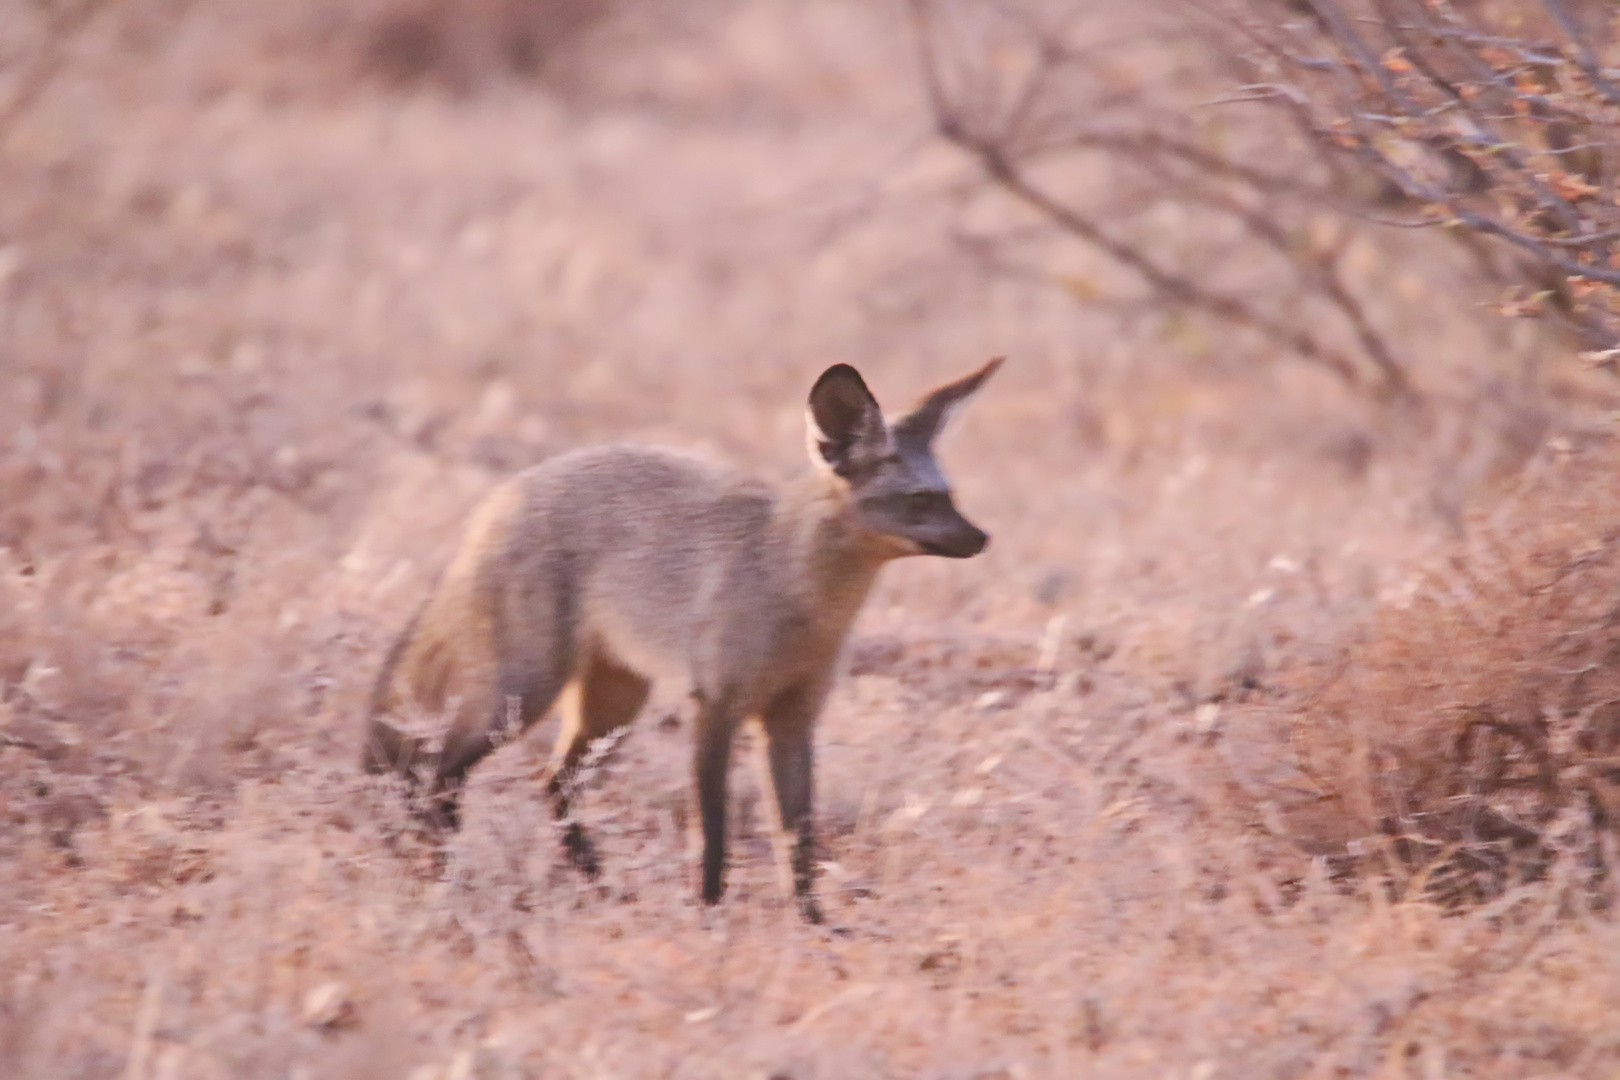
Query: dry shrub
1471	741
1490	118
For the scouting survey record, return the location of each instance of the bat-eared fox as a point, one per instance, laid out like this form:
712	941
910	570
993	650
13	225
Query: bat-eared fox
585	577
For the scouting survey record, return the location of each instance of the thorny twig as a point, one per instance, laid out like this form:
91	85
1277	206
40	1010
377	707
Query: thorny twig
1506	132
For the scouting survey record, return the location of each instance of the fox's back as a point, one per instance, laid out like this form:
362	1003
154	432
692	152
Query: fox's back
653	548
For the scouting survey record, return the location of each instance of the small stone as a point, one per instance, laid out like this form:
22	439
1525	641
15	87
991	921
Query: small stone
328	1006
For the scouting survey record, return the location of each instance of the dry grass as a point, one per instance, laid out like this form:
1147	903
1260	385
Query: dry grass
1474	730
266	341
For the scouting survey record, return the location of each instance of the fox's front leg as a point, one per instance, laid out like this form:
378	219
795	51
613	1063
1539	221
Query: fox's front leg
789	728
716	723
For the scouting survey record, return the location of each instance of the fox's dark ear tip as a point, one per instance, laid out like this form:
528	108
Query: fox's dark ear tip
839	371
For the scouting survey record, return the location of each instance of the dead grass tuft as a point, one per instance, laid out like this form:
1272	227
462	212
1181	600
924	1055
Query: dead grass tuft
1470	740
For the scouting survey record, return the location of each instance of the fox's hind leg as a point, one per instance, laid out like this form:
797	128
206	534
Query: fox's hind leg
485	725
604	696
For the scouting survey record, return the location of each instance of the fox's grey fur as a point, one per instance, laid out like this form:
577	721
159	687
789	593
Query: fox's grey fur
593	573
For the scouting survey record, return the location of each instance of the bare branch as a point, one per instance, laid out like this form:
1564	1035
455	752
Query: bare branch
1173	166
1583	50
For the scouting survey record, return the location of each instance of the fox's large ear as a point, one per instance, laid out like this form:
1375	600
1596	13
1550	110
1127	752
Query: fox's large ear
845	427
918	427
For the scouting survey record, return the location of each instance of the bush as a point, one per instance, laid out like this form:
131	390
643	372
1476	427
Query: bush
1471	740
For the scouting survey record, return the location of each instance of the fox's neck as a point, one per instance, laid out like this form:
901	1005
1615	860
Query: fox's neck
831	561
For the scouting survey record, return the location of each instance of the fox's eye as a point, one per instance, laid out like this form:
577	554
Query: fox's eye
920	503
910	507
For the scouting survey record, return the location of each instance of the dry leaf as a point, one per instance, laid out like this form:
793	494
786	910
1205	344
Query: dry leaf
1567	185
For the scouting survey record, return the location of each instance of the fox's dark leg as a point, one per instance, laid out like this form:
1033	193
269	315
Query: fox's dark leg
604	697
478	732
716	723
463	748
789	725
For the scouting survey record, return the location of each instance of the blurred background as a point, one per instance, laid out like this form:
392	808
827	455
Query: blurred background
1275	733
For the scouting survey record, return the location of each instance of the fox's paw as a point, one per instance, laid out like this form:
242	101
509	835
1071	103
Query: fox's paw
809	910
440	815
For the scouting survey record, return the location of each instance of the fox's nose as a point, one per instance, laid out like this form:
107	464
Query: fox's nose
967	543
963	541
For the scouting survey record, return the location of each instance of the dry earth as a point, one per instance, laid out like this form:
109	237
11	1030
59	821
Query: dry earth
284	290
